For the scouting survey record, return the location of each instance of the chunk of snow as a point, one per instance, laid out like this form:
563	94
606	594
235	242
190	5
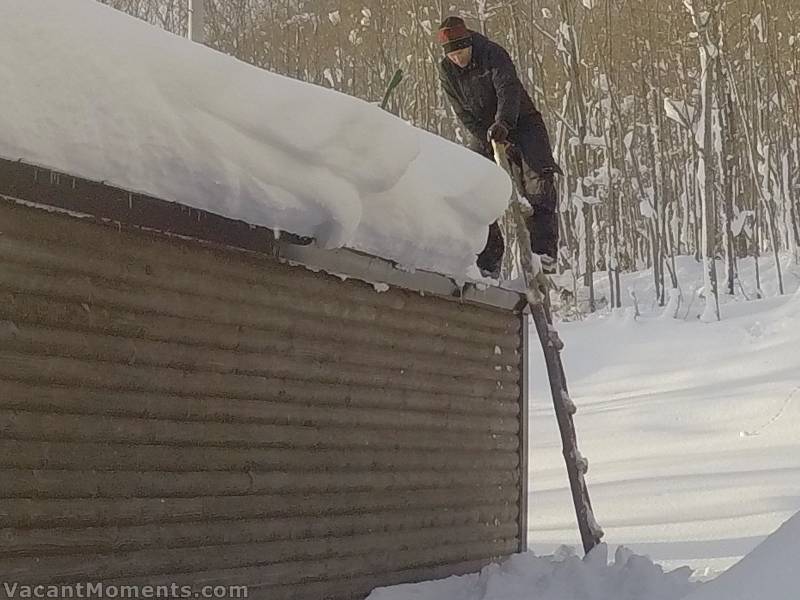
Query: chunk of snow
565	30
677	111
628	103
151	112
591	140
597	558
758	23
582	462
354	38
536	264
646	208
594	526
628	140
562	576
739	221
569	404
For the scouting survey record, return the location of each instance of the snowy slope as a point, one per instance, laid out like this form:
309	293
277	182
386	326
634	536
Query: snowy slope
93	92
770	572
692	430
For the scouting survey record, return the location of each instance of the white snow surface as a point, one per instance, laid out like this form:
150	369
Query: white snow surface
92	92
770	572
559	577
692	429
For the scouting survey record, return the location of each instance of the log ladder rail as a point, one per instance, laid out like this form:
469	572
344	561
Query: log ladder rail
537	285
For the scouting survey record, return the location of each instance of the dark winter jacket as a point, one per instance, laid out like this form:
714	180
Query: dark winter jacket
488	90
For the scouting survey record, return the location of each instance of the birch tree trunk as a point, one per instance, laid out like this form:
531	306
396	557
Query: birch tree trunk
703	15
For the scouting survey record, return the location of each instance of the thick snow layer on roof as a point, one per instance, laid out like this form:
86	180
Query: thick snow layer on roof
98	94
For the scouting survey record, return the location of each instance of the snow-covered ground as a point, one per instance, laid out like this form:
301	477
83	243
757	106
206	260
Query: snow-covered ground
767	573
560	577
92	92
692	431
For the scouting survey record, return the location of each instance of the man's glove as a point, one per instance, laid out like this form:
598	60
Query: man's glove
498	133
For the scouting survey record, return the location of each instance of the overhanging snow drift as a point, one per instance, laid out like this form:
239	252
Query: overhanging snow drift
93	92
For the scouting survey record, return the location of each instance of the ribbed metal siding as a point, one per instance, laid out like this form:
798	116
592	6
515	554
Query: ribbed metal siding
171	412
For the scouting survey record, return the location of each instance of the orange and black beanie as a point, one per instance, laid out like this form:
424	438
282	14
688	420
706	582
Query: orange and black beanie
453	35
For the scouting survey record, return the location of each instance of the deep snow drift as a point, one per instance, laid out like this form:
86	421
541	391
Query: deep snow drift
93	92
770	572
560	577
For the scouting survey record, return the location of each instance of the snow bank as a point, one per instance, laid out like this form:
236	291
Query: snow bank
93	92
770	572
559	577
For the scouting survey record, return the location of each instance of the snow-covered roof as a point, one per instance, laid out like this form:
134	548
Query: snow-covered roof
90	91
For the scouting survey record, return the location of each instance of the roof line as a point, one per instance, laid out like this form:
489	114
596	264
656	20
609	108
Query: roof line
49	189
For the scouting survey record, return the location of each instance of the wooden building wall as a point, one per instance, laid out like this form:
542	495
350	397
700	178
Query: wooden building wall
175	412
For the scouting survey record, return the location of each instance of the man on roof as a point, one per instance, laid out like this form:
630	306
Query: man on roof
481	82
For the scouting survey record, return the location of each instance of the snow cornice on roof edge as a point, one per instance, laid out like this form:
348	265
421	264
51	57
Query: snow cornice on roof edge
48	189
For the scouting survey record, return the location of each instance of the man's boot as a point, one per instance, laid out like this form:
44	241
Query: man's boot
491	258
543	223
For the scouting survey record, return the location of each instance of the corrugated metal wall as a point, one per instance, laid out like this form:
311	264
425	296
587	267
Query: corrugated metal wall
171	412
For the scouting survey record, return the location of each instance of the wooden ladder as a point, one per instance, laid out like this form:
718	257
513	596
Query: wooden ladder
537	293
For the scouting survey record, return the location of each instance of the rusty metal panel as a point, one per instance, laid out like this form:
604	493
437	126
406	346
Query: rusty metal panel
175	412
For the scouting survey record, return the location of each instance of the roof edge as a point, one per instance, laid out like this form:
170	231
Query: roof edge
47	188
